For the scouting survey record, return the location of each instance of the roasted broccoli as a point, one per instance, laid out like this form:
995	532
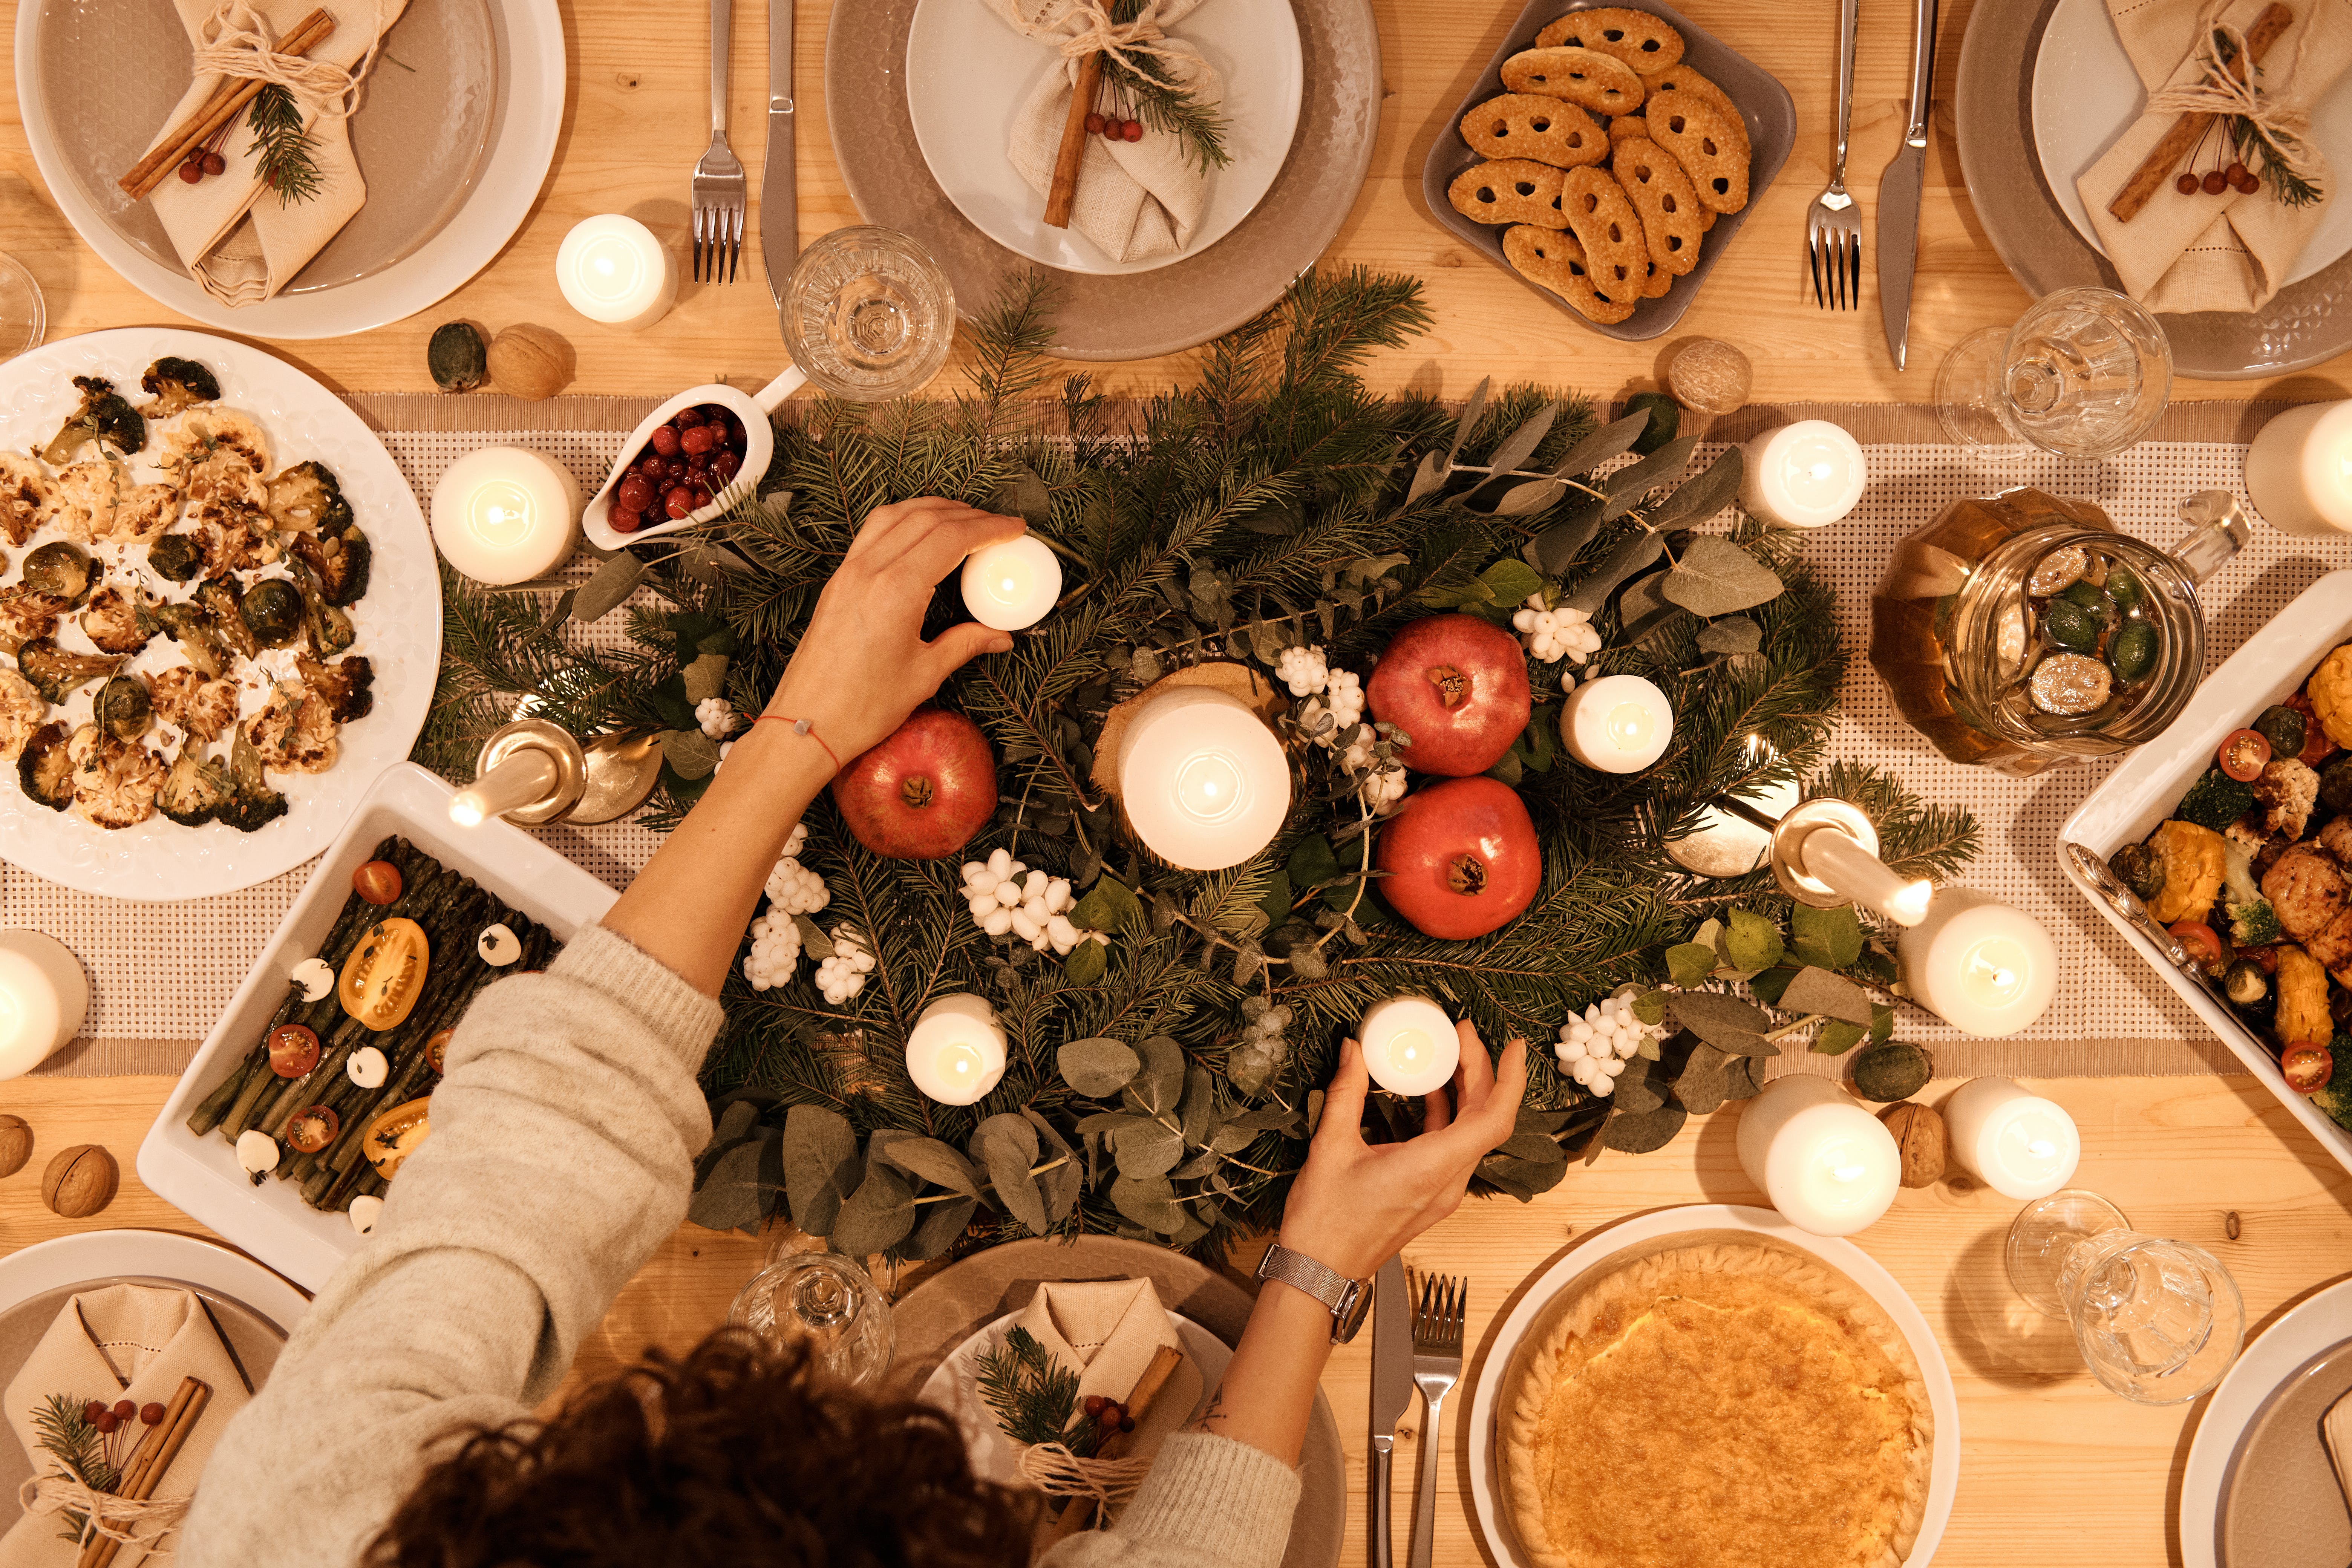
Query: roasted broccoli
329	630
2334	1096
306	498
177	383
176	556
252	805
57	674
2215	801
340	557
196	791
348	688
2254	924
193	630
102	416
221	601
45	769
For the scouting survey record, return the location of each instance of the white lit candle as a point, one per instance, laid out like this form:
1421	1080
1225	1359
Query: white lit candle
506	514
955	1052
1805	475
611	269
1835	856
1013	584
1617	724
2299	470
1410	1047
1204	781
43	996
1982	967
1821	1159
2019	1145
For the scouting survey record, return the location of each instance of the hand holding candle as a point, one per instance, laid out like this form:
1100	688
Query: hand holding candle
1984	968
1828	1165
1013	584
955	1052
2016	1144
1410	1047
612	270
506	514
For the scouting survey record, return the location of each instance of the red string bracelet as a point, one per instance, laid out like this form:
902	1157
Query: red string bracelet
801	727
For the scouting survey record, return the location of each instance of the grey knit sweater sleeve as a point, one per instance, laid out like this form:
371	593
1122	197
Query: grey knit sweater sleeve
560	1157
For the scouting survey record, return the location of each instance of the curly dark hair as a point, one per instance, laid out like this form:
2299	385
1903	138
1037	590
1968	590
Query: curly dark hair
737	1455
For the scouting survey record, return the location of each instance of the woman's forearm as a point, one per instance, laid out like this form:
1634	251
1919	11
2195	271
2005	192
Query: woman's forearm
1268	1389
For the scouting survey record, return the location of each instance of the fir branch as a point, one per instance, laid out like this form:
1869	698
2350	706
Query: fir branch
288	151
1033	1395
62	1433
1146	84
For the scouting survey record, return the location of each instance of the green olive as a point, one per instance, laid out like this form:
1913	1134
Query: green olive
2131	653
2090	596
2069	624
2124	588
2283	727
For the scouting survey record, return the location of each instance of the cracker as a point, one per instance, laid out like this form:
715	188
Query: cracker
1669	204
1628	128
1527	125
1642	41
1704	145
1510	190
1554	261
1682	78
1660	282
1605	223
1598	82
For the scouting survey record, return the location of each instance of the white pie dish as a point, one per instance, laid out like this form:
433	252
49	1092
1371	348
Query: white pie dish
758	446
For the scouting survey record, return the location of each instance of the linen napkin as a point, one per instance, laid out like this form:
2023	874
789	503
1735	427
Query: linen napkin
1106	1332
1135	199
238	241
2229	252
125	1342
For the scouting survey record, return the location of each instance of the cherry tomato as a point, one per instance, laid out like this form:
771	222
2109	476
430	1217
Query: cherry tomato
2203	944
437	1051
378	881
2244	754
313	1130
293	1051
2308	1068
384	975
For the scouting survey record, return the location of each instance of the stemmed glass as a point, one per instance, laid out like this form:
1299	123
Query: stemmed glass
2084	373
2158	1321
826	1301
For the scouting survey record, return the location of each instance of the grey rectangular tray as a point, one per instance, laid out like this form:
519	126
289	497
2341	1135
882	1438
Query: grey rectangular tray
1763	102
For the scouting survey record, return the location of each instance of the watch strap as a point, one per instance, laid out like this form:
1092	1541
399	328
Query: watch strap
1346	1299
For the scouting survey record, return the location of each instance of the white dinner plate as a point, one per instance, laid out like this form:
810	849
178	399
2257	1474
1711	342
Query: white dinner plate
524	118
398	621
1648	1232
2086	94
2302	1332
96	1255
968	74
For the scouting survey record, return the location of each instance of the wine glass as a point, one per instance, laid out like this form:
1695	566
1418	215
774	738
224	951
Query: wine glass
867	314
23	317
2158	1321
826	1301
2084	373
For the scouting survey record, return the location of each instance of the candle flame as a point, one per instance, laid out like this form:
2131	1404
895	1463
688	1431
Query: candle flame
1630	726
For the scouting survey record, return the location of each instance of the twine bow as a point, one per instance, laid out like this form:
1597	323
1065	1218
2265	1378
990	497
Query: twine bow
2282	126
1057	1472
237	43
1119	40
108	1516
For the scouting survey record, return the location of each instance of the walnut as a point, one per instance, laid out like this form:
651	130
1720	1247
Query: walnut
530	362
16	1145
80	1180
1919	1132
1710	375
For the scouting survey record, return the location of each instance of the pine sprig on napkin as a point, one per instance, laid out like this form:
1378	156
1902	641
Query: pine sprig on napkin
2277	170
1033	1395
289	165
1163	104
67	1436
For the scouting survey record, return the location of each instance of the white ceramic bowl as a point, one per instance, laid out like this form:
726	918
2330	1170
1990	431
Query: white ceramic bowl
758	446
201	1175
2141	793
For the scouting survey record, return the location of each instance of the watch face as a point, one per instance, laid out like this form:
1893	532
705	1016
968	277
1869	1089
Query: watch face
1349	1315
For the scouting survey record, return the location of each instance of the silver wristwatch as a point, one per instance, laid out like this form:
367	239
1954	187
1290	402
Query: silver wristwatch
1349	1299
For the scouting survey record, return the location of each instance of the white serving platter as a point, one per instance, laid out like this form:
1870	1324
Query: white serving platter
201	1175
1654	1232
2141	793
2311	1326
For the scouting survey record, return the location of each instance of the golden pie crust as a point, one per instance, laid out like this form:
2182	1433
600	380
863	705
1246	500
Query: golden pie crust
1718	1404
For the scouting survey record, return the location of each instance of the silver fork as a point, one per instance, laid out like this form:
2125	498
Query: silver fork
721	193
1437	1368
1833	226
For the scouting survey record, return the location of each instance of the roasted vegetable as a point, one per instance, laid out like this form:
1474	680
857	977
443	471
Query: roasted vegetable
2215	801
306	498
118	620
176	556
2330	690
329	630
175	383
102	416
124	708
195	790
2336	786
57	674
2193	866
2139	868
2254	924
45	769
457	357
2247	985
272	612
2302	1012
2335	1097
347	687
2283	728
340	557
24	615
60	570
252	804
193	630
219	598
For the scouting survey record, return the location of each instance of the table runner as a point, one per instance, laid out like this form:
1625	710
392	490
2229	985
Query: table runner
2114	1019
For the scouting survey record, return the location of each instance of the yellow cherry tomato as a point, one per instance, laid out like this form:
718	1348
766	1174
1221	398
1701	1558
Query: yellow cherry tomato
395	1136
384	975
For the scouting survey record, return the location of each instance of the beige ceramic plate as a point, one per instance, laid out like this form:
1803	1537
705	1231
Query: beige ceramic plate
2283	1507
1134	316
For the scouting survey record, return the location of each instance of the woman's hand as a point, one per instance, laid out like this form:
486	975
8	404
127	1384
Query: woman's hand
862	664
1356	1205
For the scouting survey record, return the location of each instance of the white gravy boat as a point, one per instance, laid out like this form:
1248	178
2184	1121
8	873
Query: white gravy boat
759	442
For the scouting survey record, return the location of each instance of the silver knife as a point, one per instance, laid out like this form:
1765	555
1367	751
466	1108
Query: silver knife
1391	1389
1898	191
779	216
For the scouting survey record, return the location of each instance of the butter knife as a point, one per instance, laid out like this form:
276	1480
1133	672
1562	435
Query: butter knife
1899	187
780	219
1391	1389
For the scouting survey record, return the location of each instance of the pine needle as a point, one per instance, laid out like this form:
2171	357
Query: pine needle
1033	1394
288	151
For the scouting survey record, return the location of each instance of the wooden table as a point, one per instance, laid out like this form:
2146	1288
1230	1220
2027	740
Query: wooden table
2049	1457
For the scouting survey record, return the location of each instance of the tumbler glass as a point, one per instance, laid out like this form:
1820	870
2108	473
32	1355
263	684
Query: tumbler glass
2084	373
828	1302
2158	1321
867	314
23	317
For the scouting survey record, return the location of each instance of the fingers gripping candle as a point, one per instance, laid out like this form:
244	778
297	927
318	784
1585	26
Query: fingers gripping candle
1410	1047
1013	584
955	1052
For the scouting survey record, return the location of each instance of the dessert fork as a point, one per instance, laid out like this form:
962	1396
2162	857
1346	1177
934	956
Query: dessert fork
1437	1368
720	191
1833	226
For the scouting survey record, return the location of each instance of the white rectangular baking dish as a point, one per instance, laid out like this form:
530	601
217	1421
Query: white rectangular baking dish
201	1175
2141	793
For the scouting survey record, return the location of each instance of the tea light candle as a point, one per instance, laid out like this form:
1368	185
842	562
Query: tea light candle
2299	470
1410	1047
506	514
955	1052
1982	967
1617	724
43	996
1013	584
1805	475
1828	1165
611	269
1203	779
2019	1145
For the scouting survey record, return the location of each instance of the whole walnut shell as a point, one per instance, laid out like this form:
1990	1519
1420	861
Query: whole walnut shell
530	362
16	1145
1710	375
1919	1132
80	1180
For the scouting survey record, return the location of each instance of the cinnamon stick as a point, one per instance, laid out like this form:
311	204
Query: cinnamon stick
153	1455
226	101
1063	192
2187	131
1081	1512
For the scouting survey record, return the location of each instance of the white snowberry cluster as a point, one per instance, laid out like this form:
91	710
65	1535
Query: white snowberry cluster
1381	785
1261	1050
792	888
1555	634
843	974
1008	897
717	716
1596	1047
1302	669
1343	699
776	950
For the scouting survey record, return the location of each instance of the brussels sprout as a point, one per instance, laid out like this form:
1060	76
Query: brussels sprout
2336	786
193	630
176	556
457	357
196	791
124	709
45	769
348	688
329	630
2246	984
57	674
60	570
102	416
2283	728
307	499
2139	868
272	611
252	804
1891	1072
175	383
339	558
218	596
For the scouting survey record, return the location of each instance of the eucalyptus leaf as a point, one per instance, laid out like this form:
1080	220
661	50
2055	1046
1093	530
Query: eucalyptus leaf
1643	612
1536	1147
1556	548
1151	1203
1642	1132
1631	554
1025	496
1529	496
1640	1087
877	1216
1523	1179
1705	1081
1837	1037
1010	1144
1472	407
1162	1079
1087	963
821	1165
1689	964
1736	634
1522	442
736	1121
1650	1008
1716	488
1109	906
1827	939
1199	1103
1882	1021
730	1197
690	752
706	678
936	1162
710	563
816	946
1715	577
1725	1022
940	1229
1426	478
1752	941
603	593
1629	484
1313	862
1617	436
1766	986
1098	1066
1148	1148
1831	995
